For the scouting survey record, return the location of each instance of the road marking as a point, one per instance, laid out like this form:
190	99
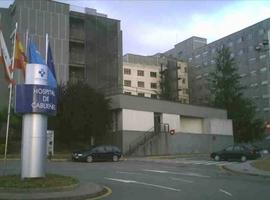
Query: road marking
109	192
177	173
134	173
182	180
225	192
143	183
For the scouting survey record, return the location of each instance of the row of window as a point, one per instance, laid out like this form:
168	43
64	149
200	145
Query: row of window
139	73
141	94
140	84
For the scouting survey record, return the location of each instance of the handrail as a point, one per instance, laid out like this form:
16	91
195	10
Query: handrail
143	139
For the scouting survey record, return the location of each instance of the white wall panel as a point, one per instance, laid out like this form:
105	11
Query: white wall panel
191	125
172	120
134	120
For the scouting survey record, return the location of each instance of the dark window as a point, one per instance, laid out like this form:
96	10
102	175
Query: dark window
140	73
127	83
154	85
140	94
108	149
129	93
153	74
127	71
115	149
230	148
140	84
100	149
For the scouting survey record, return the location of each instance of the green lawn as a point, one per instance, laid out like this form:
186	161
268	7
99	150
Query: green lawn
50	181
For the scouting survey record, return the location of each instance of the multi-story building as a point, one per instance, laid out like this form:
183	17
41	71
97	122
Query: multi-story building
86	45
142	76
250	49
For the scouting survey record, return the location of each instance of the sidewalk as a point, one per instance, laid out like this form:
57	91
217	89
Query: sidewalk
82	191
246	168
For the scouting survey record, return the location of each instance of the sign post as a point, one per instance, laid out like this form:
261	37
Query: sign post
35	100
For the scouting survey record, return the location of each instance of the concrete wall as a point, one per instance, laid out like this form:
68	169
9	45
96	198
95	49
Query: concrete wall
122	101
172	120
218	126
134	120
165	144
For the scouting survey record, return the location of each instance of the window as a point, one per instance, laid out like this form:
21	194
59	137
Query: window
154	96
140	72
262	56
127	71
185	69
129	93
140	84
230	148
140	94
184	81
264	82
239	40
153	74
154	85
241	52
261	31
263	69
127	83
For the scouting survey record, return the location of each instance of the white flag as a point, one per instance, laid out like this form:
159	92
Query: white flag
5	57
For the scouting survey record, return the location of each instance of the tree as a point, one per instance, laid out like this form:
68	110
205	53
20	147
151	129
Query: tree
82	113
165	86
227	93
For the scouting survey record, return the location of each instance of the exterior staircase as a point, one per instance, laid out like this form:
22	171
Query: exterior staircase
146	137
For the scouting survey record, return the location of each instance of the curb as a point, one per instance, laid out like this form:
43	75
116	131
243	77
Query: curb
243	173
75	194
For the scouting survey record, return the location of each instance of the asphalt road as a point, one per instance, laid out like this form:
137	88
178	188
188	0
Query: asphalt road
133	180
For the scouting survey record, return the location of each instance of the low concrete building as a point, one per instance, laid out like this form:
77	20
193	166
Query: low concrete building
144	126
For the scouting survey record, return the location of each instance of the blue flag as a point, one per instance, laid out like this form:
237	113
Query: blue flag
51	74
36	58
34	54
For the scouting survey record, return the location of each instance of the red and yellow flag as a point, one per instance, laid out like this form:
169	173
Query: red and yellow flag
20	57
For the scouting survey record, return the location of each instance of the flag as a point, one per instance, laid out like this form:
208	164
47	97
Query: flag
34	55
20	57
51	72
5	59
36	58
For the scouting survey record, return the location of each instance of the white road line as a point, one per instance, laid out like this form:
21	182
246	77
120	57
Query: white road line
182	180
225	192
143	183
129	173
177	173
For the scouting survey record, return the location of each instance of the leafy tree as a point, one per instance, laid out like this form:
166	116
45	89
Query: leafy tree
82	113
165	86
15	124
228	94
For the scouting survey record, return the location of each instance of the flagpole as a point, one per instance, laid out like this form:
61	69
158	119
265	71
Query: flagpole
10	96
26	42
46	48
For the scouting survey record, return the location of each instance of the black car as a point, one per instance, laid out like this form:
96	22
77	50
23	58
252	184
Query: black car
97	153
236	152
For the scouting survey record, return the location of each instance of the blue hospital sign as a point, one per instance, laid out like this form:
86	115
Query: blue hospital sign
35	99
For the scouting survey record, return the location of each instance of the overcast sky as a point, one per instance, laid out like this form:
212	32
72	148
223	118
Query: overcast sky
156	26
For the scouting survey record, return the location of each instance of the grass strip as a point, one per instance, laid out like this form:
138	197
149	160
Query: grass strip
50	181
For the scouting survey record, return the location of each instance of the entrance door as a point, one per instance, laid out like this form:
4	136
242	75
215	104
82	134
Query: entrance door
157	122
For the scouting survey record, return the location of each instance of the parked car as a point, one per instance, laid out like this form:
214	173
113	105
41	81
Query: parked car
97	153
236	152
257	148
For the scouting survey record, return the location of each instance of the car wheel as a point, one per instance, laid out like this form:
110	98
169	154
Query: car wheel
217	158
89	159
115	158
243	158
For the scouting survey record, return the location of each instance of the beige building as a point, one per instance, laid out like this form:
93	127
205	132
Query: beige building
141	76
141	79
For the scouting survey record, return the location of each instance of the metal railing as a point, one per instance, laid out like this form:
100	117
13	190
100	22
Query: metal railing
146	137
